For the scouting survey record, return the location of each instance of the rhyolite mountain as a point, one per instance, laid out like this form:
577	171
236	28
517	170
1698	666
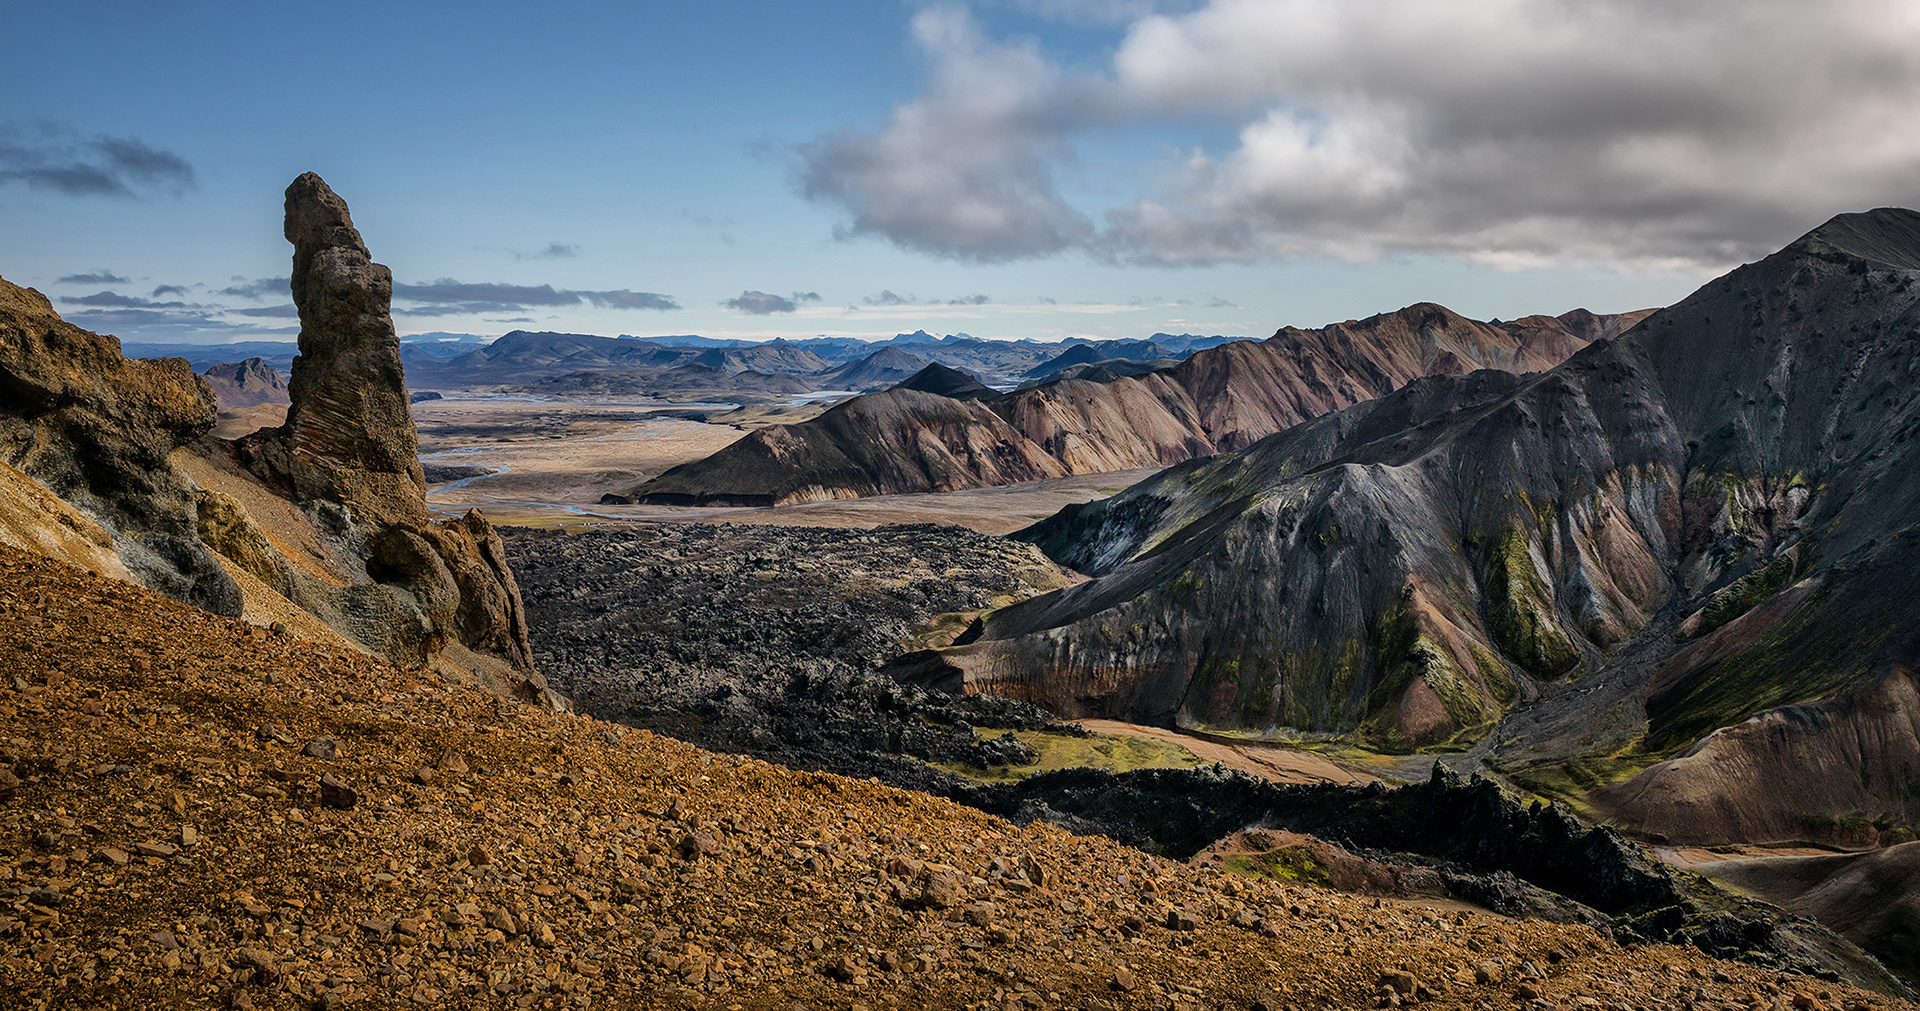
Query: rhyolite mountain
1736	481
1219	399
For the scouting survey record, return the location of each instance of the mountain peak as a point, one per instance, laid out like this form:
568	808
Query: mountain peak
1889	236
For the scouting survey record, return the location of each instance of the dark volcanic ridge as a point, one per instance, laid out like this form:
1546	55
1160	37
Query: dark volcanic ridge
1722	498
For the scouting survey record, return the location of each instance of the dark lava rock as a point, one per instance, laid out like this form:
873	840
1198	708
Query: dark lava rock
762	640
1489	848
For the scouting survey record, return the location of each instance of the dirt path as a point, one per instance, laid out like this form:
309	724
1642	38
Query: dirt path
1281	765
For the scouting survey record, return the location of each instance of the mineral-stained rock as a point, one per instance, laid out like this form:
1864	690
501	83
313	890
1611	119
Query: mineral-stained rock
1410	569
98	430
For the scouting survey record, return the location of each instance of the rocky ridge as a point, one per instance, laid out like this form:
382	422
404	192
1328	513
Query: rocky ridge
1220	399
246	384
99	431
183	823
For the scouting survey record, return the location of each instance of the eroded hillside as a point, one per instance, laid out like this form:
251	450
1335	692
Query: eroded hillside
1737	473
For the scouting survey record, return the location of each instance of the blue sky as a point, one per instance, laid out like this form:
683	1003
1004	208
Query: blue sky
1017	168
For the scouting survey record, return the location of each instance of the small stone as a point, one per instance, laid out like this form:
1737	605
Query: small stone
154	848
422	776
324	748
265	968
941	890
479	857
337	795
166	940
695	845
502	921
1180	919
1526	991
980	914
1123	979
453	761
9	785
111	855
542	934
377	927
1400	981
189	836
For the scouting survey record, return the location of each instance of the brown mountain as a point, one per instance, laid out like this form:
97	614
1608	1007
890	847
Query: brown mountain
247	384
1705	523
1220	399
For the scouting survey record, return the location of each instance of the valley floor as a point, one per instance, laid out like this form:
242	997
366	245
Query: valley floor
552	460
206	813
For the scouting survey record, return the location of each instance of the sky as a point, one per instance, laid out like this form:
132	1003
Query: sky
1007	168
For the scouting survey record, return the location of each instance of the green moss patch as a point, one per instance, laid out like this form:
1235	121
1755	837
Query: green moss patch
1292	865
1113	753
1520	613
1743	594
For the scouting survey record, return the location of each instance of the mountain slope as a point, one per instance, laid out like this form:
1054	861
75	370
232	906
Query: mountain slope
1402	572
884	367
1218	399
246	384
172	840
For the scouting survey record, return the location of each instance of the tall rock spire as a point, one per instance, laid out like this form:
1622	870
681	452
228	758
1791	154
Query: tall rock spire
348	456
349	429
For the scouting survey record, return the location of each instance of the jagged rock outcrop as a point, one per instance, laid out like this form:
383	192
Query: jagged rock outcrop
370	561
98	430
1219	399
1404	571
246	384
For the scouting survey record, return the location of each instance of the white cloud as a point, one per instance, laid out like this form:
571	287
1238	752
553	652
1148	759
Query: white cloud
964	171
1623	133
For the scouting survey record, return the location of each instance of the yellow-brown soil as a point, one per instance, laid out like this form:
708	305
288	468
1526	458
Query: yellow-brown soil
168	844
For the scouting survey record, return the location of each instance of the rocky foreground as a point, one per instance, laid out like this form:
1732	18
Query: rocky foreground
200	812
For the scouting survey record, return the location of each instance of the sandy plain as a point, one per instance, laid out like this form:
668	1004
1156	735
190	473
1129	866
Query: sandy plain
553	461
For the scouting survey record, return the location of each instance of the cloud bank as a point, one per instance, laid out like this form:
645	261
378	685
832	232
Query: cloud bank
760	303
54	157
1505	133
448	297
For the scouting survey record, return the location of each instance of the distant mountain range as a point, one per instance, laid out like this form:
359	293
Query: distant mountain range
1221	398
451	361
